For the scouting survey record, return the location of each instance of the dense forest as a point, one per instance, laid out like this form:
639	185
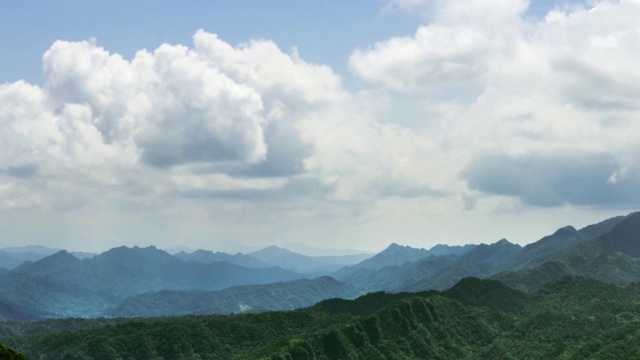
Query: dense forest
574	294
570	318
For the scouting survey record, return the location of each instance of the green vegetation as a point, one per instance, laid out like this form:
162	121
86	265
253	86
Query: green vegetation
570	318
8	354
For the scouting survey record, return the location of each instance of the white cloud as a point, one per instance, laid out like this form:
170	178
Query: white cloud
453	53
217	131
492	80
204	120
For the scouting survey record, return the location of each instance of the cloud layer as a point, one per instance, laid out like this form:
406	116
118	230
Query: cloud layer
483	107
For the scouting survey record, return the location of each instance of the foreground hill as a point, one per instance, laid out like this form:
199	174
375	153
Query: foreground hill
572	318
249	298
9	354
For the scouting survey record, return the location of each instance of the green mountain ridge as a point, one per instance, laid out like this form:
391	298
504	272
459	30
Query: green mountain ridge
610	257
570	318
61	285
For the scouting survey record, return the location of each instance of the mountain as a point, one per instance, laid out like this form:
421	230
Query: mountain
481	261
552	246
601	228
394	277
441	249
570	318
11	257
624	237
393	255
287	259
249	298
545	248
207	257
25	297
494	256
605	251
48	265
62	285
611	257
430	272
398	266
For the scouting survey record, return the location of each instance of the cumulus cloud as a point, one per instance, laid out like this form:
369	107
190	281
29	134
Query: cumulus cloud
452	53
492	80
213	120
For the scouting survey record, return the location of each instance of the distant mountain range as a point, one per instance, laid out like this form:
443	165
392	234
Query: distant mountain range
151	282
62	285
315	265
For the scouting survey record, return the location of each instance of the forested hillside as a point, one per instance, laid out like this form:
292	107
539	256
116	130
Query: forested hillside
9	354
571	318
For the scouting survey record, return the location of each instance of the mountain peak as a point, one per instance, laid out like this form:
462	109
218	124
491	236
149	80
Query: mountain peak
126	254
394	254
57	261
272	252
566	230
395	247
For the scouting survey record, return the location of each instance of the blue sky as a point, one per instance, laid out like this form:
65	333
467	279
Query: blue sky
235	125
323	31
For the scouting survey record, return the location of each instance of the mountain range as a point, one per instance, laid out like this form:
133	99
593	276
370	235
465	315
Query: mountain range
151	282
569	318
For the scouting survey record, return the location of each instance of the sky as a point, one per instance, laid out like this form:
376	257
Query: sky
236	125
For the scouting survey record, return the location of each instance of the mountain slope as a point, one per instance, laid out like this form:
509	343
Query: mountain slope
365	273
394	254
481	261
10	354
391	278
48	265
612	257
571	318
249	298
624	237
